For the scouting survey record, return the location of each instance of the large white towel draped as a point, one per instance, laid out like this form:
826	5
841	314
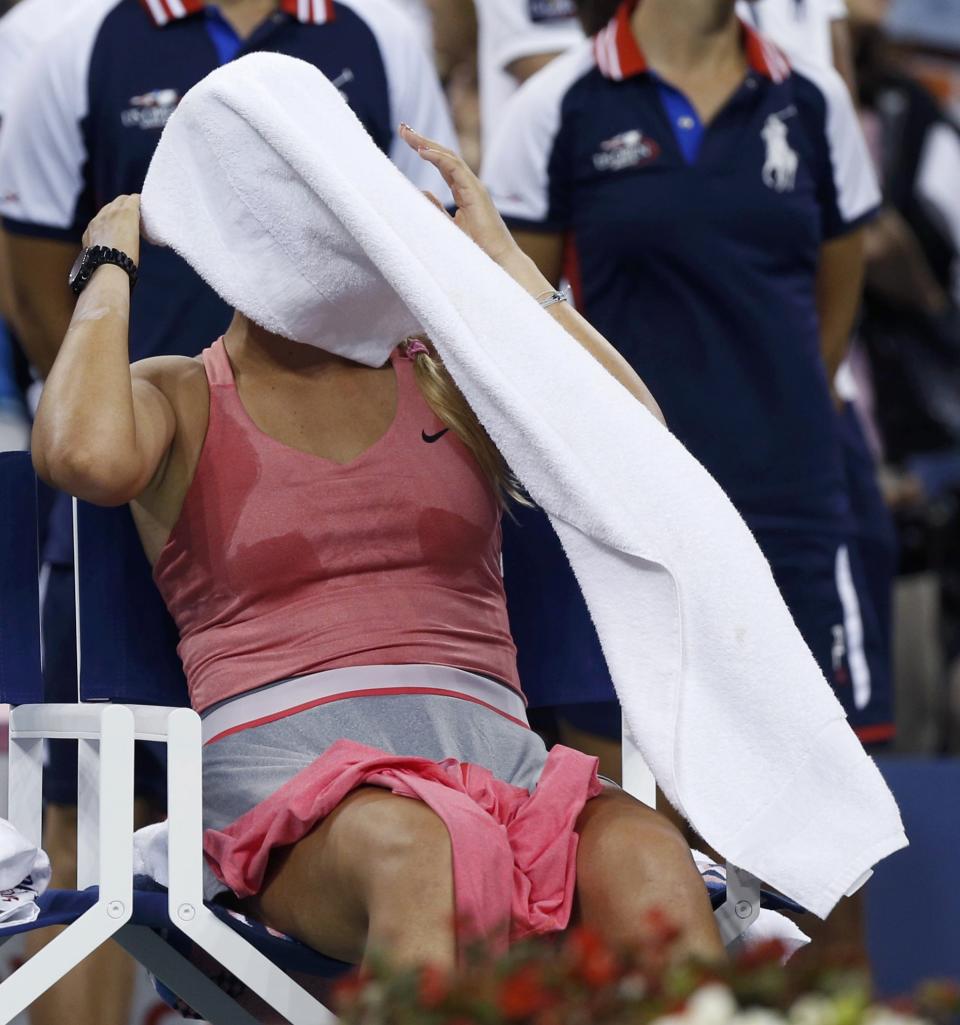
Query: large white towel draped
268	185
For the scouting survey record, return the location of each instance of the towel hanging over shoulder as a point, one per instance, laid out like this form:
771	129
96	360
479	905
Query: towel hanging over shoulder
268	185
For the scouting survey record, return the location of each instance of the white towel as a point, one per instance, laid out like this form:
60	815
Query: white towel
24	875
151	852
268	185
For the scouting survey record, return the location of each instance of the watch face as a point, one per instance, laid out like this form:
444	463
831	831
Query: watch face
75	269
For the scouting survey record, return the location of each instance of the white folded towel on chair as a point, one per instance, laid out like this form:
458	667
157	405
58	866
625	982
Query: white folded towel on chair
24	875
151	845
268	185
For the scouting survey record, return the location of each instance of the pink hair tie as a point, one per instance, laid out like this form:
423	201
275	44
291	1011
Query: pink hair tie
414	348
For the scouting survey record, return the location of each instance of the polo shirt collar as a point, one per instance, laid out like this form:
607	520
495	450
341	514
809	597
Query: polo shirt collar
619	56
309	12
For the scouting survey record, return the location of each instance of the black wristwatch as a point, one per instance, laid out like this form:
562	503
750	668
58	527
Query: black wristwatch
96	256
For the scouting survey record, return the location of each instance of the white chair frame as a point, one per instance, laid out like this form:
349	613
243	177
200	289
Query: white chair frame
106	734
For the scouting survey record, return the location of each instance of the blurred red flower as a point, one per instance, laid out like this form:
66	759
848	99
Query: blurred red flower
433	986
593	960
761	955
523	993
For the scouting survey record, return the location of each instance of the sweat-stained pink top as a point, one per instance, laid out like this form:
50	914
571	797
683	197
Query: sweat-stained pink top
283	563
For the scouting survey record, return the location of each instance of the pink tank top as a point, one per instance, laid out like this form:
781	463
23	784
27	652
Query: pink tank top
283	563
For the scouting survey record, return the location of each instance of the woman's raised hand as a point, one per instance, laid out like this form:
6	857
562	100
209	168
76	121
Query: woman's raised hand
476	215
117	226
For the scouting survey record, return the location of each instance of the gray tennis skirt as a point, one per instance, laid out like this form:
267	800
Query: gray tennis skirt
243	768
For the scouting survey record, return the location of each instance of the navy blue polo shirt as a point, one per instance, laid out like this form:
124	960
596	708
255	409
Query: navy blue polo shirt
694	249
84	127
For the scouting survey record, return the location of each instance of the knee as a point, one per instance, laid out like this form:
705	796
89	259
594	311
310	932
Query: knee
400	835
630	836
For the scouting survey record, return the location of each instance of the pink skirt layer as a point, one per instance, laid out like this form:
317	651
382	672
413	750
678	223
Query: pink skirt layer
514	853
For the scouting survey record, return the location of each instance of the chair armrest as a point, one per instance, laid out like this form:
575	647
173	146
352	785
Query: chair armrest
58	721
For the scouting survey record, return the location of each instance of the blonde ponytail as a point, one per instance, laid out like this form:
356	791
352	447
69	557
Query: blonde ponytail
446	400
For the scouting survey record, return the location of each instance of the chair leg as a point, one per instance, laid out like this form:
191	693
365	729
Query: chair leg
185	900
182	977
32	979
637	778
111	727
25	787
741	908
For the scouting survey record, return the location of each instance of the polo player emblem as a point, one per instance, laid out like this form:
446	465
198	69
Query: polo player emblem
780	167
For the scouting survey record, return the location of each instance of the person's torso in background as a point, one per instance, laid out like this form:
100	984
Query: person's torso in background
703	275
114	77
173	311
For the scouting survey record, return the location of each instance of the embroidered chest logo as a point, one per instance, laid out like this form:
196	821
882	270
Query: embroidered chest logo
628	149
780	165
151	110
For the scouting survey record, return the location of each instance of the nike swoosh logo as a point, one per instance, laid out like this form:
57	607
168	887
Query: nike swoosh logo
431	438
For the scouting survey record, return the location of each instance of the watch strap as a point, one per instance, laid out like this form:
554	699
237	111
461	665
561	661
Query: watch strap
100	256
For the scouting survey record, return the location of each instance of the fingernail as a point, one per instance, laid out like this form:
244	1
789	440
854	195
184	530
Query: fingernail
403	124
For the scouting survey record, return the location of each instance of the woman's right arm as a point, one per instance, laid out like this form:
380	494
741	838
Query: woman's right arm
478	217
102	430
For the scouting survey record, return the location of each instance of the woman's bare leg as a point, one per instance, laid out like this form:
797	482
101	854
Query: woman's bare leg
376	876
630	861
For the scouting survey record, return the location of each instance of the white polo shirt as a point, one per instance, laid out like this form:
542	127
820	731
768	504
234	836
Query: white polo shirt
799	27
23	30
420	14
509	30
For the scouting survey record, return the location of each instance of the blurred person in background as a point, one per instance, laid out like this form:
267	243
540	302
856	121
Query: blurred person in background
20	34
911	377
455	51
516	38
817	30
487	49
789	242
81	130
706	201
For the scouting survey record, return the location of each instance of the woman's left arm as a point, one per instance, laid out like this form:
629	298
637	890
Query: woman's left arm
478	217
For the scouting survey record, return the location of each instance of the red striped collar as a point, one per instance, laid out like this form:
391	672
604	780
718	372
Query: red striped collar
310	12
619	55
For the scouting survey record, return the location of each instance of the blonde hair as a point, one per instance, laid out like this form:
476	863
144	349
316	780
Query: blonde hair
447	401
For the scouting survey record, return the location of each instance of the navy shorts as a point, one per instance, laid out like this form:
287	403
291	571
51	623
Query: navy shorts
60	684
823	582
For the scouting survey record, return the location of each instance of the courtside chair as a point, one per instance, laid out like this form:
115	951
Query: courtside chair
130	687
